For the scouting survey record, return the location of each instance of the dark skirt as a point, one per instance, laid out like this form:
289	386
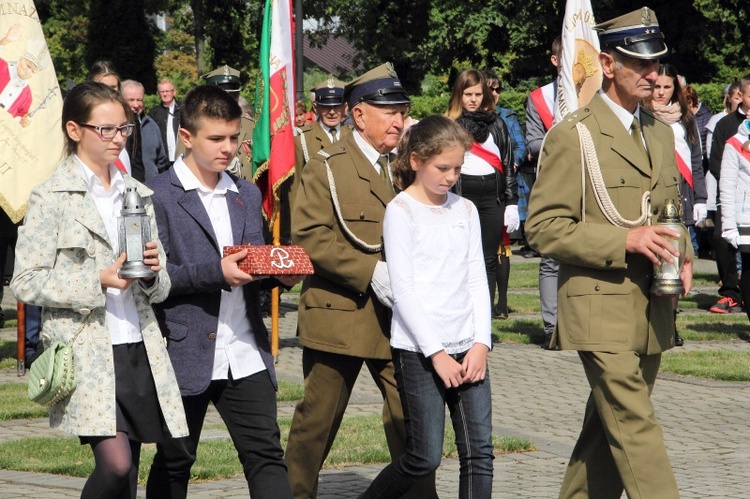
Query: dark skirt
138	411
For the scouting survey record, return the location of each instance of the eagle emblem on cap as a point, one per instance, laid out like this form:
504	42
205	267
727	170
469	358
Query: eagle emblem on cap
391	70
329	83
646	16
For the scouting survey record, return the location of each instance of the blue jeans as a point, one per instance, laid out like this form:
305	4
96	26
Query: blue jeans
424	396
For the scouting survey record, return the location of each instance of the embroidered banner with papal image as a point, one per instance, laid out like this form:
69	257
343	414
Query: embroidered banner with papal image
31	139
580	75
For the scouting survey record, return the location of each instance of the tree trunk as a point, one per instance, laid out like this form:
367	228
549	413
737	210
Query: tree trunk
200	43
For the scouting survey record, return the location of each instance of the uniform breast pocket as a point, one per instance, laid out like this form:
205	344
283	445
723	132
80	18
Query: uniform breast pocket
363	220
624	186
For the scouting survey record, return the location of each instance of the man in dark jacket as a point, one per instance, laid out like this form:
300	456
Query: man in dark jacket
167	118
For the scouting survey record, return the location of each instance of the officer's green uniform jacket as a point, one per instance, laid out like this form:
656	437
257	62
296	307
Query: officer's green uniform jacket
604	302
338	310
316	139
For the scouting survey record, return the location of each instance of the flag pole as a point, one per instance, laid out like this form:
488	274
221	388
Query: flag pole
275	295
21	339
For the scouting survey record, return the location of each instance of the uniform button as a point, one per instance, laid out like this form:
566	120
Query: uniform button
622	180
674	178
212	336
596	288
586	110
608	262
328	304
362	215
656	211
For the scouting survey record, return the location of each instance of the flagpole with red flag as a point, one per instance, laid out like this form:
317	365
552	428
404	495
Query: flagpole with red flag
273	136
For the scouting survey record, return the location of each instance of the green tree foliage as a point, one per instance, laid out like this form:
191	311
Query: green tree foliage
708	39
65	25
176	47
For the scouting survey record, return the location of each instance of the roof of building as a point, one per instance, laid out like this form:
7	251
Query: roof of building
334	57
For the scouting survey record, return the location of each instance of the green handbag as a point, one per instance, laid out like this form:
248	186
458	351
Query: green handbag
52	376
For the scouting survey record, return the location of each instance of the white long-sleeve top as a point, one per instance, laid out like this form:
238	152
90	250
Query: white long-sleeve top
734	183
436	267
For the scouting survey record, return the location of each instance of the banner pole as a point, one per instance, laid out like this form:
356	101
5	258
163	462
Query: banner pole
275	294
21	339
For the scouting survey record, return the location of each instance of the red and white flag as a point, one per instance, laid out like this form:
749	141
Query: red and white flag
273	137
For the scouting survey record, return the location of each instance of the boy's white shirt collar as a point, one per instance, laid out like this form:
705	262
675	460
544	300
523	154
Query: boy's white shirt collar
190	182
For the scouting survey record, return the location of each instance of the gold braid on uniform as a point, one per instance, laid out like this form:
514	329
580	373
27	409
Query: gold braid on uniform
370	248
589	159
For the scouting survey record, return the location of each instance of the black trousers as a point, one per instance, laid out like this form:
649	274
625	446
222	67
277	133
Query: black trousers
726	262
482	191
248	408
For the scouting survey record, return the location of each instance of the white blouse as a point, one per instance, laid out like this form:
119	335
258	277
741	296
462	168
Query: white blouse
436	267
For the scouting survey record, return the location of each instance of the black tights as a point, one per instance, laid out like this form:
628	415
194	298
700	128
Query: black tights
116	472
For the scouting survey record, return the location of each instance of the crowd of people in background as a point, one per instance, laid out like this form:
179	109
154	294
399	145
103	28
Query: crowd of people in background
443	198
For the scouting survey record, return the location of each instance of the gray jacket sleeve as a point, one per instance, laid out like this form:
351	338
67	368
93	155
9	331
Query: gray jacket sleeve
535	131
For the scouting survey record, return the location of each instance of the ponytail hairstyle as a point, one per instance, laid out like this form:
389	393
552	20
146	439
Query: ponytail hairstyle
423	141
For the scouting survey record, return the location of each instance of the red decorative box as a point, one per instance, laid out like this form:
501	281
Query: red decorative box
272	260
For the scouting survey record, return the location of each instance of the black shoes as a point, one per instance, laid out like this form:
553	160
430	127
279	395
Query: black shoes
497	314
678	341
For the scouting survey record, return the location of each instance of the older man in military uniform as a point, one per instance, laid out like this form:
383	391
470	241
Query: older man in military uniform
605	309
344	314
228	79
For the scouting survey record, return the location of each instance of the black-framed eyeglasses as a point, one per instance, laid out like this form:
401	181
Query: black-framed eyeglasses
110	131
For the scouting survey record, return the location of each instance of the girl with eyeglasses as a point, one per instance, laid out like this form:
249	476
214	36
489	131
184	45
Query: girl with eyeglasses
67	261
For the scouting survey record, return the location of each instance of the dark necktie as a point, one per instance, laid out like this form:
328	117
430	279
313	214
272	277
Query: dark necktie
334	132
384	175
635	134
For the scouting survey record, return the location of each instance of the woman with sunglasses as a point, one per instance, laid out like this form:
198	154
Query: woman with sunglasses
67	261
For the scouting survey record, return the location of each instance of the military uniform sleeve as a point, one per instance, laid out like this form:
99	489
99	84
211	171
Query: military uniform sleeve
554	227
313	222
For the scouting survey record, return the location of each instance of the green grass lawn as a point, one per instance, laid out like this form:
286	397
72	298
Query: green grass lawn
360	441
524	331
724	365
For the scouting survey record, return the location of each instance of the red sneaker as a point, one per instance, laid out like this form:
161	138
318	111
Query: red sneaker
726	306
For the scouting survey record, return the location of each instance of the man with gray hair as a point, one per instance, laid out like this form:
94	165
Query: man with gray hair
344	310
148	157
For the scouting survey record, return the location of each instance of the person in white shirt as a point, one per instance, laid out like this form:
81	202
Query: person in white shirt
68	257
440	332
215	336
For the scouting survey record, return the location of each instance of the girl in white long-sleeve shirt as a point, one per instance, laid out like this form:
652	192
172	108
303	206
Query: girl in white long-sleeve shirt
440	333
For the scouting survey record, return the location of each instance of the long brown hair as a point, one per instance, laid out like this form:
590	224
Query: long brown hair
425	140
464	80
687	119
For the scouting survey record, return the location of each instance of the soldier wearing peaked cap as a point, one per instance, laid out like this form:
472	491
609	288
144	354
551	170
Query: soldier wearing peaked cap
344	311
606	255
330	109
228	79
